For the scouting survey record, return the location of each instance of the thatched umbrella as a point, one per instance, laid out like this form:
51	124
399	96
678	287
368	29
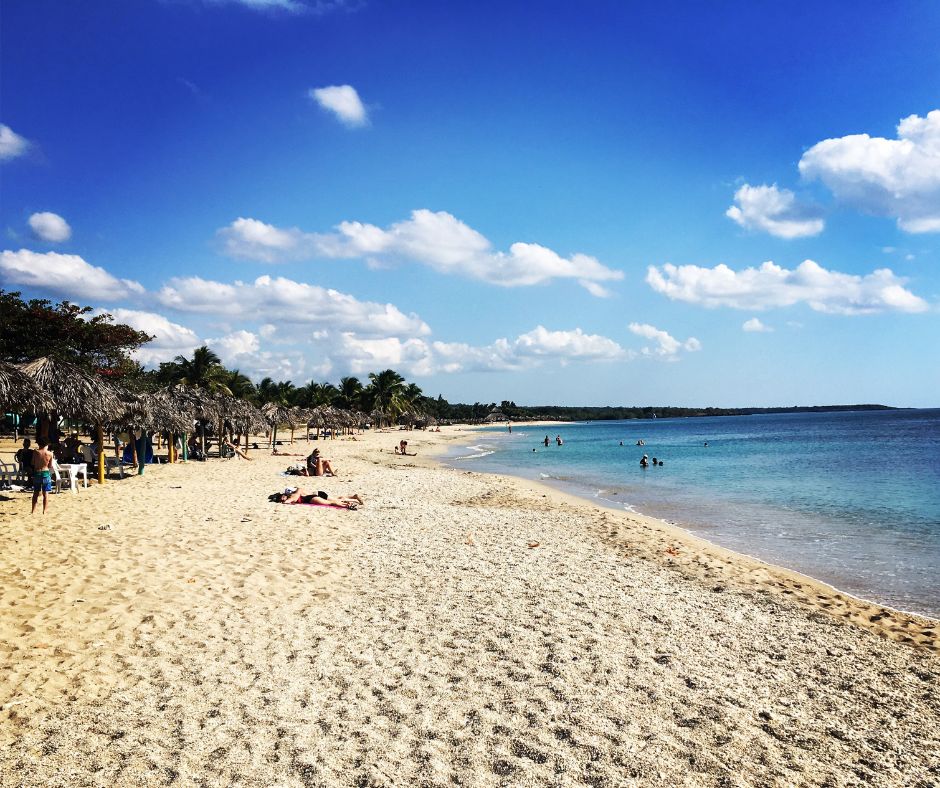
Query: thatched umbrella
79	394
19	392
275	414
188	402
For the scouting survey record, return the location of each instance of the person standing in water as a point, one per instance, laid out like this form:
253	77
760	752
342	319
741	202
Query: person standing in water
546	441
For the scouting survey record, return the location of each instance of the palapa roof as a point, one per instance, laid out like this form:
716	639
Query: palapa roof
19	392
75	392
275	414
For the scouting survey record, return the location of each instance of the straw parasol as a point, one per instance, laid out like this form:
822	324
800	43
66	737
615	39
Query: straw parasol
275	414
77	393
19	392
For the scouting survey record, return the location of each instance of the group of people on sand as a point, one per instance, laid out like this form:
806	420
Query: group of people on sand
402	449
315	465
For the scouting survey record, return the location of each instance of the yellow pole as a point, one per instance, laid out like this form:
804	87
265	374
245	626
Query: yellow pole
100	455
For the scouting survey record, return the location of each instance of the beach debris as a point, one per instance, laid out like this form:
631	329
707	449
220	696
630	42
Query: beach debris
533	544
105	527
671	550
469	539
191	580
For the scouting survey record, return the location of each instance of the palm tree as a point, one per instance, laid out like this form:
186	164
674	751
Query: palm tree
267	391
240	385
385	391
411	396
314	394
204	369
350	393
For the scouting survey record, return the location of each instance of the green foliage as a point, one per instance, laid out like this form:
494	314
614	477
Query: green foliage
385	392
36	328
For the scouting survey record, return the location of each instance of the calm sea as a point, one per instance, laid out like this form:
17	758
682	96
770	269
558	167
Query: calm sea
849	498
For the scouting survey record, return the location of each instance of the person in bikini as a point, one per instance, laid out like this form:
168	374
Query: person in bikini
319	499
42	475
317	466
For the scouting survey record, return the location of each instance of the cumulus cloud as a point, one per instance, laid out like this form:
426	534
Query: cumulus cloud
344	102
51	227
567	345
774	211
64	275
169	339
285	300
422	357
235	345
899	178
664	345
773	286
251	239
435	239
754	325
12	144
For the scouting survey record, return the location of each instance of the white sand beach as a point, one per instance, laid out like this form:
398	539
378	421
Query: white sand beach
176	628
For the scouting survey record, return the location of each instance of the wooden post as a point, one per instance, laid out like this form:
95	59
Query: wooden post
185	447
171	449
100	454
141	452
246	439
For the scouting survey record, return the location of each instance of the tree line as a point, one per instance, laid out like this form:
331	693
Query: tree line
37	327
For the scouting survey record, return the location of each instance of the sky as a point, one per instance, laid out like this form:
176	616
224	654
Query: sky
594	203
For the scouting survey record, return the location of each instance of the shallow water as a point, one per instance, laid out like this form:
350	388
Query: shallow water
849	498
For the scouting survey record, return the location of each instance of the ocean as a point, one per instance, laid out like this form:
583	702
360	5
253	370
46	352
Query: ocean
850	498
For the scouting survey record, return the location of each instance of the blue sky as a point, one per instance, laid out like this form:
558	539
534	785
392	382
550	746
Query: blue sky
592	203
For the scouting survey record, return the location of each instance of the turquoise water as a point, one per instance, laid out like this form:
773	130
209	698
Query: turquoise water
849	498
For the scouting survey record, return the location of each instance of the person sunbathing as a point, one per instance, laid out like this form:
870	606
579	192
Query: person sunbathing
317	466
318	498
240	452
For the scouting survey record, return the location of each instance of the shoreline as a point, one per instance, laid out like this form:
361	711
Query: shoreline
696	540
458	628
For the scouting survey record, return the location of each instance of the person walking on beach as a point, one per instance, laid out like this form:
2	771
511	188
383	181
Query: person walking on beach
42	475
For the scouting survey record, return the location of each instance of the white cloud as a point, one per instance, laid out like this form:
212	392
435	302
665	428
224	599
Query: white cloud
276	298
344	102
64	275
754	325
666	346
772	286
420	357
169	339
292	6
11	143
234	345
435	239
51	227
251	239
899	178
567	345
775	211
368	355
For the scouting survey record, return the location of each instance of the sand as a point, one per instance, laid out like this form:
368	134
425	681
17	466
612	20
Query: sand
460	629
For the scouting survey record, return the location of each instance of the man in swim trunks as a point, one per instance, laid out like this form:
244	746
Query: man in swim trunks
42	475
